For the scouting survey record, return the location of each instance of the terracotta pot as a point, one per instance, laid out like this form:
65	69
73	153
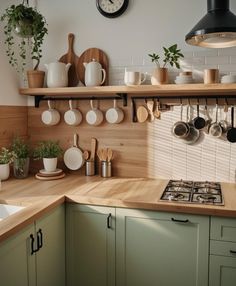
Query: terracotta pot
159	76
35	78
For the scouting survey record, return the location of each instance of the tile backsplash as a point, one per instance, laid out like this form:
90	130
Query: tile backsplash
210	158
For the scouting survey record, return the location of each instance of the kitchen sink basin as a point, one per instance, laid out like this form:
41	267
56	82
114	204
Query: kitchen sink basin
7	210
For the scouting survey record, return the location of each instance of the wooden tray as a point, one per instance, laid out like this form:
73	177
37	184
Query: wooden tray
43	178
88	56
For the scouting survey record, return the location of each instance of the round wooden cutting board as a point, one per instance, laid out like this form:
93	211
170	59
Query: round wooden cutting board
86	57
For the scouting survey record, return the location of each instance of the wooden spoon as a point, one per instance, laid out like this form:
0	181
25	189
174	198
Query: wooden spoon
157	112
142	114
150	105
100	155
86	155
104	154
93	148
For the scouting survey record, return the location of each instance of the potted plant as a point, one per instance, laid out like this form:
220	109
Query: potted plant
30	27
171	56
21	159
49	151
6	157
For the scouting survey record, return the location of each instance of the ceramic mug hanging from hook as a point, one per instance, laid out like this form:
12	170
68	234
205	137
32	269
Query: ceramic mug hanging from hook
115	114
50	116
72	116
94	116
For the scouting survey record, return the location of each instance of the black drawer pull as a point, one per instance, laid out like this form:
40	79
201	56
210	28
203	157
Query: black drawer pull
232	251
109	221
179	220
33	250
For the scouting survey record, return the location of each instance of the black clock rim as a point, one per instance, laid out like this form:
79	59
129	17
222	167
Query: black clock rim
115	14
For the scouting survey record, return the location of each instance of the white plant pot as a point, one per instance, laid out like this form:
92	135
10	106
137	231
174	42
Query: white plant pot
4	171
50	164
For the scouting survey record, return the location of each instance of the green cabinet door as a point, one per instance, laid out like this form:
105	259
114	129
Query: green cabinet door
50	259
90	245
222	271
161	249
17	265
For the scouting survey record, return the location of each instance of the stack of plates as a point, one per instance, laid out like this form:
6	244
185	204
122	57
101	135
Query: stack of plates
228	79
184	78
46	176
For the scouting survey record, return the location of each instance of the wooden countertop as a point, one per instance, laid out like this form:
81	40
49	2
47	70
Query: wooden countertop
39	197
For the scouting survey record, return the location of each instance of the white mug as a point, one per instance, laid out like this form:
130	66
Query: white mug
94	116
134	77
114	114
72	116
50	116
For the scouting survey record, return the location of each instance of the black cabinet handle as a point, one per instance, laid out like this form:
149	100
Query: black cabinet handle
109	221
179	220
232	251
33	250
39	238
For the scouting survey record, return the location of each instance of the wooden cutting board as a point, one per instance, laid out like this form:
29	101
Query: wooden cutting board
87	56
71	57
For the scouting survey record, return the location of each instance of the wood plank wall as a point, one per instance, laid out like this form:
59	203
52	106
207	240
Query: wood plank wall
13	121
128	140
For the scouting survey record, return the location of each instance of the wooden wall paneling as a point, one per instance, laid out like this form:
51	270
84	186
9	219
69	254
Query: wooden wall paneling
128	140
13	121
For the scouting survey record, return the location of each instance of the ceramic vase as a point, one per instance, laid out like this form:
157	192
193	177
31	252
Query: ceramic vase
159	76
4	171
50	164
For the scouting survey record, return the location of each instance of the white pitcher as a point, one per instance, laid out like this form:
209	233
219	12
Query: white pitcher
95	75
57	75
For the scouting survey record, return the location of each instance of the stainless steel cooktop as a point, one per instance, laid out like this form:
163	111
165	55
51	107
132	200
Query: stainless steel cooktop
193	192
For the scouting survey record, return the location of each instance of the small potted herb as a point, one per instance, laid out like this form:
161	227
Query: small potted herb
21	160
49	151
6	158
30	27
171	57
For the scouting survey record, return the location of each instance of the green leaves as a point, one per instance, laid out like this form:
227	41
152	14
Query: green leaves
20	148
47	149
171	56
6	156
26	22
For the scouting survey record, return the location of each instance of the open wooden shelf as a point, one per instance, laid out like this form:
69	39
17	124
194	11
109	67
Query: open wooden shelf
168	89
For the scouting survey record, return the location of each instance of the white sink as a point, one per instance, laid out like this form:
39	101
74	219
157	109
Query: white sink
7	210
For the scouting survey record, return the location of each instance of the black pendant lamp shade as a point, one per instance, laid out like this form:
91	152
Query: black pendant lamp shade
217	29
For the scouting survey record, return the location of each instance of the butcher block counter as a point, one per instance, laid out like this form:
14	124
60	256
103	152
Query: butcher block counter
39	197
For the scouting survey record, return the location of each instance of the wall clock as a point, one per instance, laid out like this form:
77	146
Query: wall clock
112	8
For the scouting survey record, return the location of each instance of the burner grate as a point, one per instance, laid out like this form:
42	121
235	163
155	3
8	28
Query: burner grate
193	192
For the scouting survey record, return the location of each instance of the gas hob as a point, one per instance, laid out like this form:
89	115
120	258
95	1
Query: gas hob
193	192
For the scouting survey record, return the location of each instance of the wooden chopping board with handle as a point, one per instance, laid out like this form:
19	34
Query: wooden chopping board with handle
71	57
86	57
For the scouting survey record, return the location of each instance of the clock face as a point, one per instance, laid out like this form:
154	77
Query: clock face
112	8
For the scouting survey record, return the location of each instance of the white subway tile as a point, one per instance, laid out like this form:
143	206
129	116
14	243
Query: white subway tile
227	68
218	60
227	52
206	53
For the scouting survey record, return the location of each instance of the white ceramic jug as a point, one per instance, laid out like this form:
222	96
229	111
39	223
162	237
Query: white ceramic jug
95	75
57	75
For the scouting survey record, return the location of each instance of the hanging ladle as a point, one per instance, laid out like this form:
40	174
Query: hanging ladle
199	122
231	134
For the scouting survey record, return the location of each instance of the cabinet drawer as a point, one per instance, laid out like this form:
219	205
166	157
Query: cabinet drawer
223	248
223	229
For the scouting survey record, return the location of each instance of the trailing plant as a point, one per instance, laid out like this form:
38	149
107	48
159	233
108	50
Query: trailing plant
27	23
20	148
48	149
6	156
171	56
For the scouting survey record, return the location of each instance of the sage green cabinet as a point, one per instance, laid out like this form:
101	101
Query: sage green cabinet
157	248
222	252
90	245
46	267
17	266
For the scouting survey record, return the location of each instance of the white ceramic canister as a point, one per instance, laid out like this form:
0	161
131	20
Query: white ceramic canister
95	75
72	116
57	75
